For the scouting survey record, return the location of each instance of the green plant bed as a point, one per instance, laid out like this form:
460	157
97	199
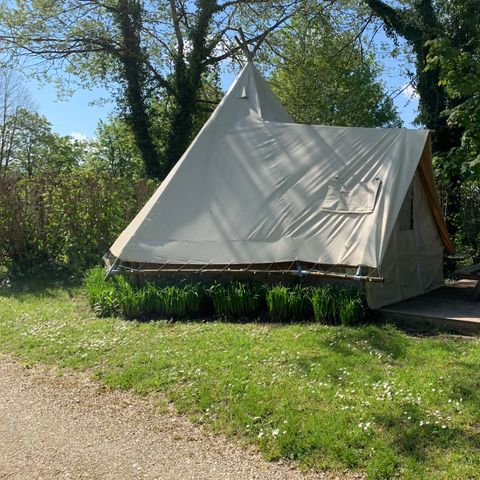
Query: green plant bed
233	301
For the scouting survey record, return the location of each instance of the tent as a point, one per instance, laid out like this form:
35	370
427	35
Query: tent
256	192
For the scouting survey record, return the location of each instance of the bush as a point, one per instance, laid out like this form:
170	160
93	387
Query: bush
65	220
236	300
288	303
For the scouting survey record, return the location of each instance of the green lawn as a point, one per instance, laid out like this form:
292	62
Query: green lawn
370	399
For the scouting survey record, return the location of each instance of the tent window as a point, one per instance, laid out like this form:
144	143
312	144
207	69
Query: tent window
405	217
351	198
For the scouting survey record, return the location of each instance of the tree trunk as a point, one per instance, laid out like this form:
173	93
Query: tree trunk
132	59
187	85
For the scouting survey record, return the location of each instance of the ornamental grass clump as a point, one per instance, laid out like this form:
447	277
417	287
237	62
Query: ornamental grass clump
324	303
237	299
180	301
288	303
350	307
129	297
101	294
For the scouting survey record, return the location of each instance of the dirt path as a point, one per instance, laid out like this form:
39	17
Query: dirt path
67	427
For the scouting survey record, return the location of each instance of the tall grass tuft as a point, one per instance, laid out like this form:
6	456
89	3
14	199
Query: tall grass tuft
237	299
350	306
130	298
324	303
101	294
180	301
288	303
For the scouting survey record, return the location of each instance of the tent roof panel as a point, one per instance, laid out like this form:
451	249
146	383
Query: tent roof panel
251	187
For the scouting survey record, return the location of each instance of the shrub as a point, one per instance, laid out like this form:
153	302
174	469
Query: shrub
288	303
64	219
101	294
237	299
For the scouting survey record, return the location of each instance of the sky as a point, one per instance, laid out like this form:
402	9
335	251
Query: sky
76	116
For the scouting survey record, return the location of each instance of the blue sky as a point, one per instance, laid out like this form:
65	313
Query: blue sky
76	116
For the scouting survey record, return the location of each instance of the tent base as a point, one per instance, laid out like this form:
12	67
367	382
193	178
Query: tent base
285	269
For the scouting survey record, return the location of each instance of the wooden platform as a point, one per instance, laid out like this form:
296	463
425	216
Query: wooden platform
450	308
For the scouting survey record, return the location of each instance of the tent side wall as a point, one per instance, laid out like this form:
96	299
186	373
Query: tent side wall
413	262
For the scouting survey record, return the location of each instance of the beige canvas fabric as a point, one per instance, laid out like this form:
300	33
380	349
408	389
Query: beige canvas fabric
413	262
256	188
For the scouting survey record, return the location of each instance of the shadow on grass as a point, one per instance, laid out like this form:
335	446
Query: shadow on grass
39	285
416	441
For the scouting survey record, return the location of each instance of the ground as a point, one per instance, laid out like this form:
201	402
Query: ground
371	399
66	426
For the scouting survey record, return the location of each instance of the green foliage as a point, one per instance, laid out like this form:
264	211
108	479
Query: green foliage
460	77
350	307
237	299
114	150
101	295
324	304
180	301
334	305
130	299
68	219
119	295
322	77
455	57
288	303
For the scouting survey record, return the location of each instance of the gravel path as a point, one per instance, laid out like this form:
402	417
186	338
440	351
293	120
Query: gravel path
68	427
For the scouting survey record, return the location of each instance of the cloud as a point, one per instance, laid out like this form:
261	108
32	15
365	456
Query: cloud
81	137
409	91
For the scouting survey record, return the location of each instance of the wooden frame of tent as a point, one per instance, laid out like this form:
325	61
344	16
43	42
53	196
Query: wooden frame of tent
294	268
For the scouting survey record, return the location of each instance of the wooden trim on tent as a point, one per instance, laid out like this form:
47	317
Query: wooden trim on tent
425	172
294	268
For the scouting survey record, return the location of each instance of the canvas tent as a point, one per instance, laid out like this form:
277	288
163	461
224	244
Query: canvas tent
257	192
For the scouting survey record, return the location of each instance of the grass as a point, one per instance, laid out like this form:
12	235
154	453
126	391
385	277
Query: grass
369	398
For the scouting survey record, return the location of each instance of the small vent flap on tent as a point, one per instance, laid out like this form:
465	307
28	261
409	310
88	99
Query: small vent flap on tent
358	198
243	92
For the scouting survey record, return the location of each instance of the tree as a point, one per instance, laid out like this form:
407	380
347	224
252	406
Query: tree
456	57
13	99
322	76
152	49
114	150
420	22
35	148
